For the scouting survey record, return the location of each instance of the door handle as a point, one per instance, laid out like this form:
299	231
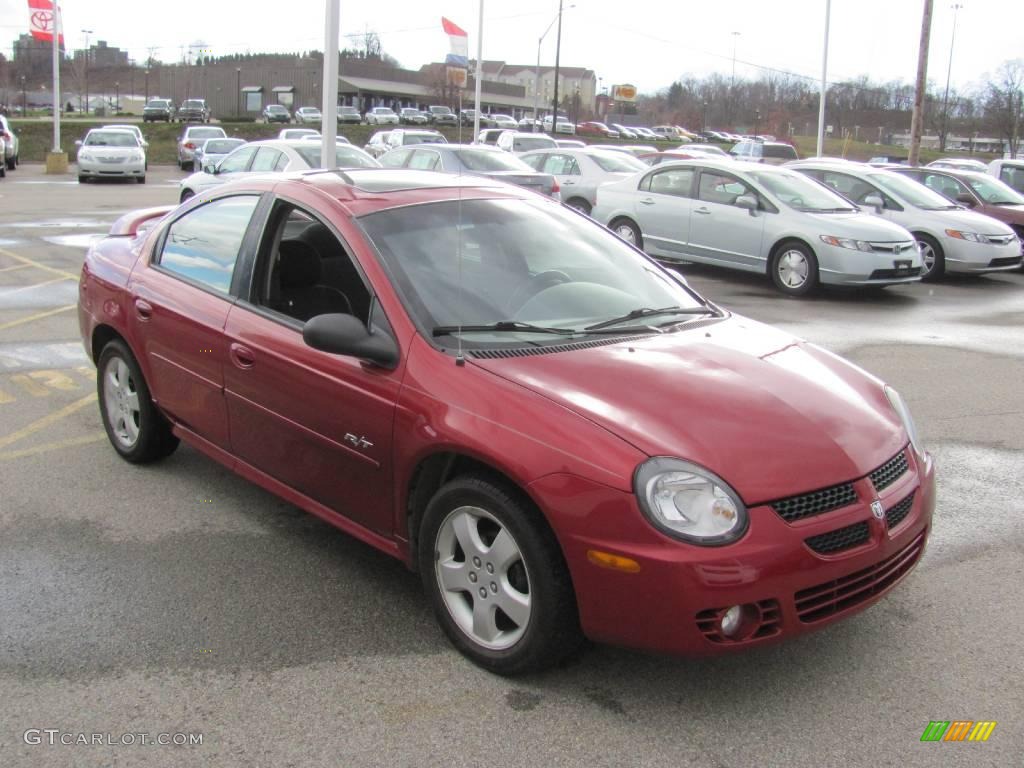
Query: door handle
241	356
647	201
701	210
143	309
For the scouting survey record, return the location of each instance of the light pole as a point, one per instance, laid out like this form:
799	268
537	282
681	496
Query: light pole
757	119
824	84
735	35
238	91
117	97
949	71
558	53
536	82
24	98
87	33
147	87
704	122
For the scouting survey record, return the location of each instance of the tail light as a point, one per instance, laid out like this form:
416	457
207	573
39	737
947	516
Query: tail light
189	145
555	189
7	136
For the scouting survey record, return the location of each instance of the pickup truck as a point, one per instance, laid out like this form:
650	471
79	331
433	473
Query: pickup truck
158	109
193	110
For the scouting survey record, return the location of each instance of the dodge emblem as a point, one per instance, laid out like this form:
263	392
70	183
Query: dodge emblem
877	509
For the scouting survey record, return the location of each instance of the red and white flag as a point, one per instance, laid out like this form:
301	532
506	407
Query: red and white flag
459	56
42	20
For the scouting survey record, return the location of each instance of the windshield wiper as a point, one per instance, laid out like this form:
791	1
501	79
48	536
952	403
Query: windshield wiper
503	326
648	312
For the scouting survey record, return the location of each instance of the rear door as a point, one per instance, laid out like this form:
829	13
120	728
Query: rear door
179	303
662	210
719	230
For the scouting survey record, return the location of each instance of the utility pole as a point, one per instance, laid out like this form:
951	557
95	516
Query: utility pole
824	83
917	120
949	73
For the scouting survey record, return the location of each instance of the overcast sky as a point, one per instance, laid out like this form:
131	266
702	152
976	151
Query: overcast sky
648	43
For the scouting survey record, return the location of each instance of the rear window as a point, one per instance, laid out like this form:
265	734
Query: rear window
527	143
221	146
345	157
780	150
423	138
206	133
478	160
617	162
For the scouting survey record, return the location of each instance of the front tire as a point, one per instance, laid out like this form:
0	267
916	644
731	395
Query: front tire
140	179
933	259
188	194
794	269
496	578
136	429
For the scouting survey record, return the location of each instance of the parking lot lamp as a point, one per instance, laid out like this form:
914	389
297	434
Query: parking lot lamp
824	85
704	121
24	98
757	118
86	64
147	86
558	53
238	91
949	71
117	97
536	83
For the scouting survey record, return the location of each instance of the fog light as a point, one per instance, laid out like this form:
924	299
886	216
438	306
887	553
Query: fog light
731	620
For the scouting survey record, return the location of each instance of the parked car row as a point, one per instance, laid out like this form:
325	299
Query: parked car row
191	110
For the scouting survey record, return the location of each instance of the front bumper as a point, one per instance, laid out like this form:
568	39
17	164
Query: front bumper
674	602
97	169
965	257
844	266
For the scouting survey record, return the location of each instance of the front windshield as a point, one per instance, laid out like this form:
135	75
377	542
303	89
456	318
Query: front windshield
193	104
206	133
912	192
346	156
111	139
480	160
479	262
617	162
799	192
424	138
995	192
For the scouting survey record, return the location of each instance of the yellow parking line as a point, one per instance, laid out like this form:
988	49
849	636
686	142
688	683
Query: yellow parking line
16	266
47	420
32	263
33	318
37	285
94	437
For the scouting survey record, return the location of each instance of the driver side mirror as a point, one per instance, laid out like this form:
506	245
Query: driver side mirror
875	201
967	199
210	168
341	334
78	142
747	202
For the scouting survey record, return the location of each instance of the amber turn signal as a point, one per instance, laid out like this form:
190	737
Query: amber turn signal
615	562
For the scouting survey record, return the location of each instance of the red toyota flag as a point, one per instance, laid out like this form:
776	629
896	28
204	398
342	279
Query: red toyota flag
42	20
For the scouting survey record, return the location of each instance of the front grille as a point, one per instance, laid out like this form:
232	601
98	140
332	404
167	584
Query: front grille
843	538
709	623
112	159
815	502
905	246
999	239
832	597
1005	261
891	471
895	514
892	274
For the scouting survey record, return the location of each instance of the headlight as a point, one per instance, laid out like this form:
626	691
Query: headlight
85	156
846	242
959	234
688	502
903	412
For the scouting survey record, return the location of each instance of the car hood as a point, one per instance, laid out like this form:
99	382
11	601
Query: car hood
971	222
771	414
859	225
1010	213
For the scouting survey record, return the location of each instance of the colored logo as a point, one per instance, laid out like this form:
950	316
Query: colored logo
958	730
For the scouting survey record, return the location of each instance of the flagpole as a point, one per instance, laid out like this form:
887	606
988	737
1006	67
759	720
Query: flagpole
57	159
479	71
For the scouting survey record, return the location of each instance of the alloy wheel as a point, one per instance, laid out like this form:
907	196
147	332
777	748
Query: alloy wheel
122	402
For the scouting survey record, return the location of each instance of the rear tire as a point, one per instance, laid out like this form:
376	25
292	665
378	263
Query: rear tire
794	269
136	429
933	259
482	550
628	231
11	164
580	205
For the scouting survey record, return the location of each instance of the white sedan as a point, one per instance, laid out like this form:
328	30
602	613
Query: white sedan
581	171
111	153
271	156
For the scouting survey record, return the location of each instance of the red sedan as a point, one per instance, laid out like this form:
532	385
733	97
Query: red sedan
594	128
560	435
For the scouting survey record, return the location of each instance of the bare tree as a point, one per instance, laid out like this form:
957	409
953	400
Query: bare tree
1003	95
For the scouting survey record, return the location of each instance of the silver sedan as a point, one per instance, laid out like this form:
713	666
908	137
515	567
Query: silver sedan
111	153
580	172
762	219
271	156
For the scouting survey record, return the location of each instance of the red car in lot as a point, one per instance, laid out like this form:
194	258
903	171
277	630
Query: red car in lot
560	435
593	128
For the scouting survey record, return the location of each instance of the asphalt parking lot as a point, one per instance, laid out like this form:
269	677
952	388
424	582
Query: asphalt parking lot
178	598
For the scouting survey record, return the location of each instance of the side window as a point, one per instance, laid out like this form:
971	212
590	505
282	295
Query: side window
677	182
266	159
535	161
203	244
237	161
946	186
561	165
395	158
282	162
306	271
721	188
424	160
